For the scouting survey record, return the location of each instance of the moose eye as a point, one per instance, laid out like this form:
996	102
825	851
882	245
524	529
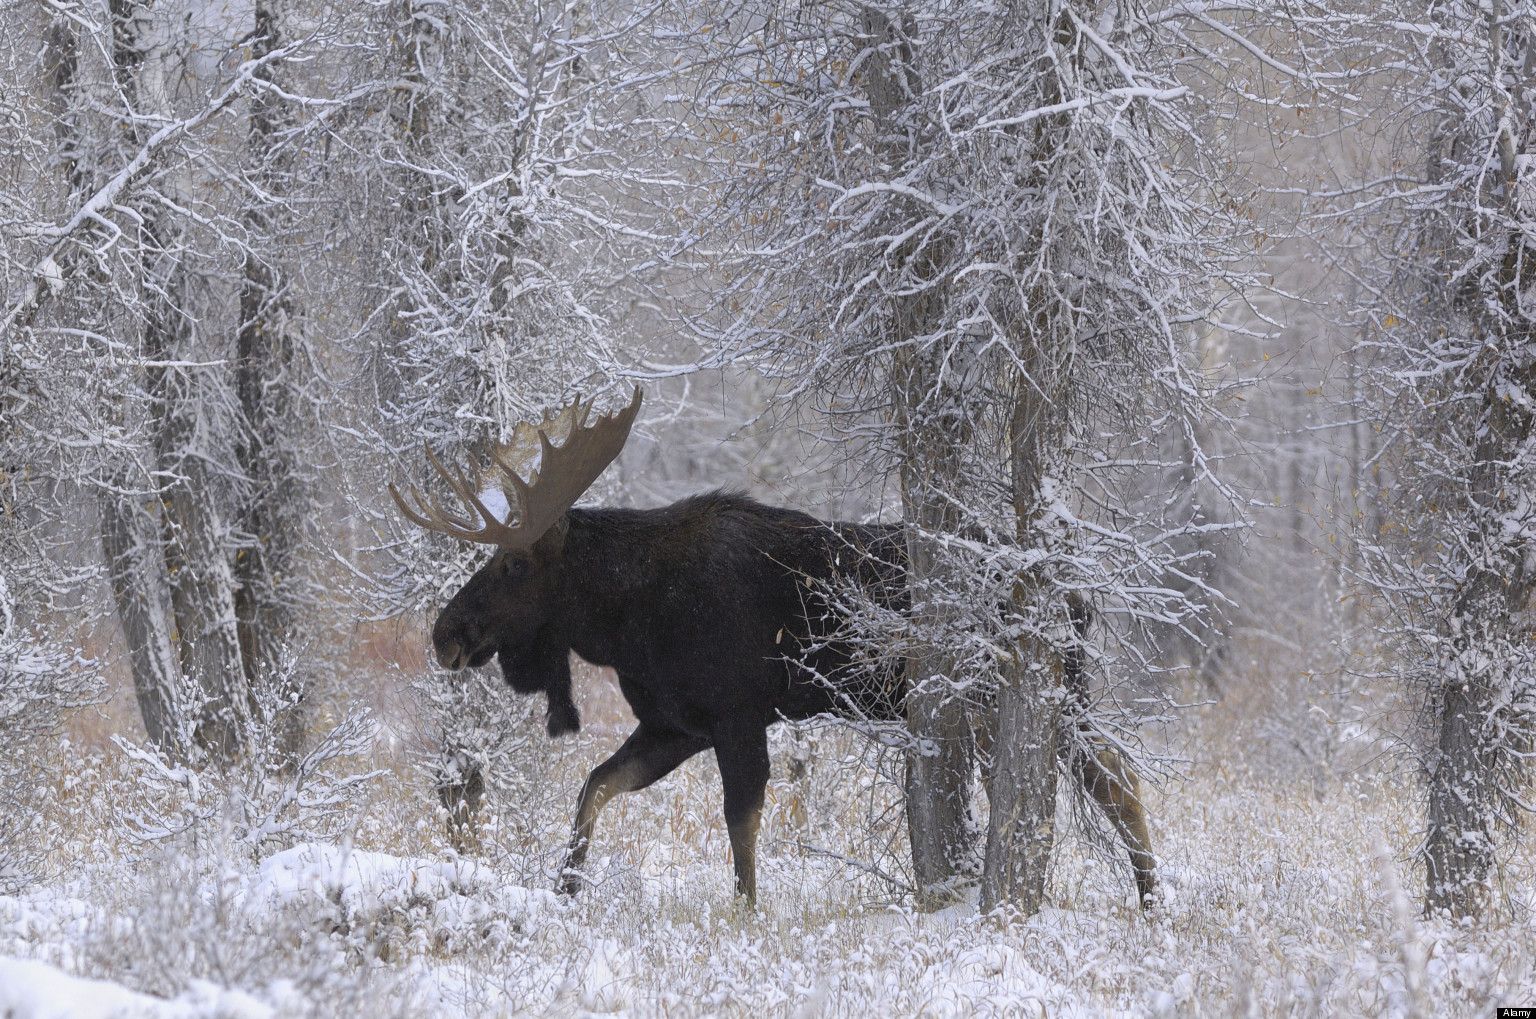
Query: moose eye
513	567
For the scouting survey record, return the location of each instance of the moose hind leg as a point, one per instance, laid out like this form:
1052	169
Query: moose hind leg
1113	786
743	761
647	756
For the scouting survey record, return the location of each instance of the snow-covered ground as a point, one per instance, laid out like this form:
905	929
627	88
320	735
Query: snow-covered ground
1287	890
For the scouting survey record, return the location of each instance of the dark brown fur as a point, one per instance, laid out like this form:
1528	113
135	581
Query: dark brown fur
709	611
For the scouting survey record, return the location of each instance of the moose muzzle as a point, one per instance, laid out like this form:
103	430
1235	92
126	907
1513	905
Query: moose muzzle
450	655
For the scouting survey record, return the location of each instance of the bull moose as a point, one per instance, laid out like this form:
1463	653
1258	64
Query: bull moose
707	609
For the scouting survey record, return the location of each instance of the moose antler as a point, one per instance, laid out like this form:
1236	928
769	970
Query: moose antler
564	473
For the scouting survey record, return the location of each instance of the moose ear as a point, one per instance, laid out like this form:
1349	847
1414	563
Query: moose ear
563	718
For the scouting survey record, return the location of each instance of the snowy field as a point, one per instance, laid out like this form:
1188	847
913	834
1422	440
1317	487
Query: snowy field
1288	890
1208	326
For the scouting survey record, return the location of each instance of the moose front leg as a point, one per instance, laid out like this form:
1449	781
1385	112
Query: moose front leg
743	761
648	755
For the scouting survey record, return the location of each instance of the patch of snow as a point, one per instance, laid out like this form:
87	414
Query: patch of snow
603	983
36	990
369	883
45	917
495	500
52	275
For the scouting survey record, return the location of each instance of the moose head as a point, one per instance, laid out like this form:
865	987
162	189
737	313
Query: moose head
511	607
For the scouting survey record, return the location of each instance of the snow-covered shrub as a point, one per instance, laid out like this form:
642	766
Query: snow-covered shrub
38	683
506	763
211	924
267	798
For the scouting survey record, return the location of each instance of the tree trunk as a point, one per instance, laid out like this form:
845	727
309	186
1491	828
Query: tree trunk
130	537
130	541
184	565
460	778
1459	846
934	429
267	384
1021	790
196	543
1482	740
1481	745
940	765
195	537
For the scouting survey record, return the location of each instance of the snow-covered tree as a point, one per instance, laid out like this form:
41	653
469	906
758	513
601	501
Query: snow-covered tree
503	150
277	386
127	292
993	231
49	434
1450	364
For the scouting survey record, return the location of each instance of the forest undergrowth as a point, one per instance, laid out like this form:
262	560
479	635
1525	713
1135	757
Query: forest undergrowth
1286	866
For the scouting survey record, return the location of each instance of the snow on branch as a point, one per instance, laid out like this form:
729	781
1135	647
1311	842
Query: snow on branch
48	277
